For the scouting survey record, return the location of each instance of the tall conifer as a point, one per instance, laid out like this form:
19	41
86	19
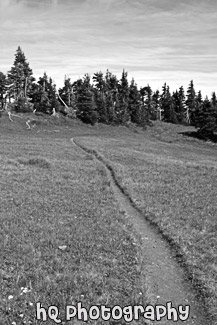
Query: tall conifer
20	77
2	88
191	103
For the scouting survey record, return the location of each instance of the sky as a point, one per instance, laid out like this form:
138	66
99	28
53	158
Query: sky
155	41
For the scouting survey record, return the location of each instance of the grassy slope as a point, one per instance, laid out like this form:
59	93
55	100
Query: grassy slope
52	194
173	181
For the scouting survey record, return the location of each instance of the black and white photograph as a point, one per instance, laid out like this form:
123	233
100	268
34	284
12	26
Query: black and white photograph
108	162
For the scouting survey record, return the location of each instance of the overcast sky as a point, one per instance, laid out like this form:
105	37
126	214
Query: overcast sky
155	41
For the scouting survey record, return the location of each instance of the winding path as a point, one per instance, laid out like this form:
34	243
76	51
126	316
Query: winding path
166	278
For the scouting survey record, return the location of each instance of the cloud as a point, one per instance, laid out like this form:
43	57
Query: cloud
150	38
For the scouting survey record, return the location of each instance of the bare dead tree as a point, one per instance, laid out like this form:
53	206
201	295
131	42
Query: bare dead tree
160	110
55	114
27	123
62	101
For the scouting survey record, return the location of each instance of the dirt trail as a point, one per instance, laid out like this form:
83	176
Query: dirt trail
167	279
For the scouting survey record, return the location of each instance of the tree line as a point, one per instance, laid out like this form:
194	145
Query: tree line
106	99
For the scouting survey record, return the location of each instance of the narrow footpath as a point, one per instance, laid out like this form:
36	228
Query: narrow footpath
166	278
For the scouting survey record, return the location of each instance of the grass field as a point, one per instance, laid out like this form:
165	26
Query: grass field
63	237
172	179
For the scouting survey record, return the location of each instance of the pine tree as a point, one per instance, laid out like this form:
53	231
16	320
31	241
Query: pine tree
2	88
191	104
199	98
162	101
167	105
44	104
122	110
20	77
85	101
214	99
99	81
100	97
52	95
111	91
178	99
36	94
156	104
214	109
206	119
198	105
44	95
146	93
135	103
181	108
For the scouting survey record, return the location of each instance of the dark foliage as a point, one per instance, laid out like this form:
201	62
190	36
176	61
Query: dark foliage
191	102
19	78
2	88
107	99
206	118
23	105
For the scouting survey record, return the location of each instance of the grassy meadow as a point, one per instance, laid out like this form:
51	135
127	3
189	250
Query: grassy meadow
172	179
63	238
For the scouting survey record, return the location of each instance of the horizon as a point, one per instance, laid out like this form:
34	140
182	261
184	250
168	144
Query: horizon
153	41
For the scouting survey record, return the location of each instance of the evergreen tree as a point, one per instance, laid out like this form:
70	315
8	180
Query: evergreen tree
163	99
175	101
85	101
167	105
214	109
100	97
198	105
135	103
40	97
2	88
44	95
20	77
206	119
214	99
111	91
99	82
191	103
36	94
144	114
110	108
156	104
146	93
199	98
122	110
180	107
44	105
172	118
52	95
